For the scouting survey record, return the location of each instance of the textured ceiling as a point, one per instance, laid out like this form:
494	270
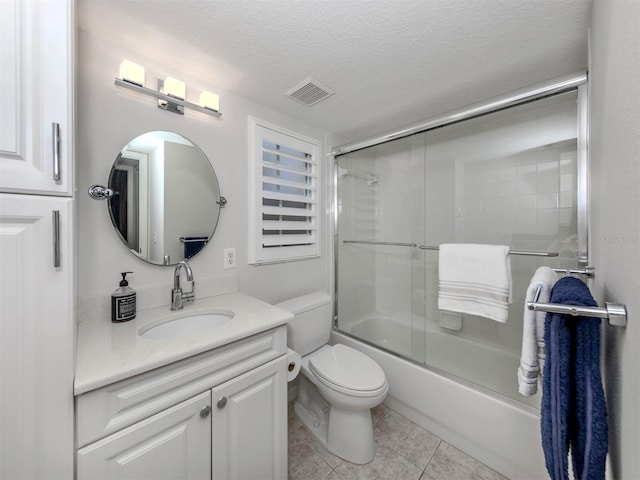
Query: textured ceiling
390	62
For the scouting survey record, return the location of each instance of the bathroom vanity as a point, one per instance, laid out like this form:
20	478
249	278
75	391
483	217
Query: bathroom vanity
211	404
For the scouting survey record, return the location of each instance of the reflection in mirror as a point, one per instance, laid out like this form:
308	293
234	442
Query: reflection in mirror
165	202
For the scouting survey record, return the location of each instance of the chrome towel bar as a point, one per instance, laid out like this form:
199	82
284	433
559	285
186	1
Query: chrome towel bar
512	252
394	244
435	247
193	239
588	271
615	313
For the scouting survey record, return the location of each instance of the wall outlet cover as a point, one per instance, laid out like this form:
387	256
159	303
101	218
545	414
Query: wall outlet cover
229	258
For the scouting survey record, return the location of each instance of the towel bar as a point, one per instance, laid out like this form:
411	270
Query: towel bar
193	239
395	244
588	271
512	252
436	247
615	313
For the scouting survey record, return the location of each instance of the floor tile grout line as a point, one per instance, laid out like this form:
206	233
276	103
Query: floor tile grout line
435	450
385	412
411	462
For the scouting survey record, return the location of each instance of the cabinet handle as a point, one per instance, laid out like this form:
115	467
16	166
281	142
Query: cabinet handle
205	411
55	136
222	402
56	238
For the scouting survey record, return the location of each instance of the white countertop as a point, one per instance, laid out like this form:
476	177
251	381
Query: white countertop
108	352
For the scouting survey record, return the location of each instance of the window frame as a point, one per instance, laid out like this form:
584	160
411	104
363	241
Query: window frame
258	253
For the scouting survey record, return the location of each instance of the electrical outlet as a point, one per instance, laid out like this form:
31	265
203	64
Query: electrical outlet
229	258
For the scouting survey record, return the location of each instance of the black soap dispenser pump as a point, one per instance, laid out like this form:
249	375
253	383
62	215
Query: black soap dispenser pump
123	302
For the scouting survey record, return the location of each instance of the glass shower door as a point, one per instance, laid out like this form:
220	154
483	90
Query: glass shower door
380	201
504	178
507	178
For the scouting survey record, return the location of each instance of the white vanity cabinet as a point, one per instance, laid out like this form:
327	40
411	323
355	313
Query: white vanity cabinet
36	61
221	414
175	443
250	424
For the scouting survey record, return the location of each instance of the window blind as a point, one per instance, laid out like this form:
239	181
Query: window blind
286	220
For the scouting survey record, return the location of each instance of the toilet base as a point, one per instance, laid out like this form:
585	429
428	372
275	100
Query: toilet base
345	433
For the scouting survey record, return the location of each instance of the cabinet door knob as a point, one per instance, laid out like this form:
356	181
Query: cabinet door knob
205	411
222	401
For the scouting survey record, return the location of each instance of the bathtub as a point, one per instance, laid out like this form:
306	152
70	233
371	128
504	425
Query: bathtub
485	366
498	432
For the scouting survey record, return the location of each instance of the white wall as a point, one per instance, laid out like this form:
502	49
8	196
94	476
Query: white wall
615	200
109	117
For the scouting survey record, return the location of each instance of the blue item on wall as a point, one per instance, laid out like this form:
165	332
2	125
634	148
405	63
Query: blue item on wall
193	245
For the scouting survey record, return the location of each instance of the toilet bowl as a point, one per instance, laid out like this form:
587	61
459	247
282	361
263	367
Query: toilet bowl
338	385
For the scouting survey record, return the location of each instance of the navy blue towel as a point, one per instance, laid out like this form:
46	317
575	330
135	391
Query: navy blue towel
193	245
574	413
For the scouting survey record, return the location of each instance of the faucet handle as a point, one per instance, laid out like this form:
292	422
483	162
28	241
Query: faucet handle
190	296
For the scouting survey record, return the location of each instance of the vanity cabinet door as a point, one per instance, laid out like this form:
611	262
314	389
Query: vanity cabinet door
250	424
173	444
36	61
36	337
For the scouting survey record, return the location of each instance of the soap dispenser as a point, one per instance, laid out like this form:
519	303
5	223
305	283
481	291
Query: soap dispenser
123	302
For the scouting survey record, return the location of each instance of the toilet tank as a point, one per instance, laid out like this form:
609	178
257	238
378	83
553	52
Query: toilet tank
311	325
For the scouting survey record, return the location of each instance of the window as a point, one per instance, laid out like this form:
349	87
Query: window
284	176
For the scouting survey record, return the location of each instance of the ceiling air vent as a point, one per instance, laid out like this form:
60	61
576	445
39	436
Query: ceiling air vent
309	92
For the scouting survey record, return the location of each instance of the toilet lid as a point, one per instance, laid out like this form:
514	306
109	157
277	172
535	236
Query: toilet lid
347	368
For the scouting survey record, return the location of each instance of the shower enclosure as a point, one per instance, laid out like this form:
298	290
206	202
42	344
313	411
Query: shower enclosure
505	174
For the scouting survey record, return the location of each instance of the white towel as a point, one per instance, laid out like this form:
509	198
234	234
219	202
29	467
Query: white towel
475	279
533	352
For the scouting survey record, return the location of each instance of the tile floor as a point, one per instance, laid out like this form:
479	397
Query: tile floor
404	451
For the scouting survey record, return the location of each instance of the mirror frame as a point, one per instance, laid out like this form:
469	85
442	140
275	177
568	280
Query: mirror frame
109	193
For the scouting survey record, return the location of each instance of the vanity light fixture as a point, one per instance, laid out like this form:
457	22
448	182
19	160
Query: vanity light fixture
171	92
132	72
210	101
174	88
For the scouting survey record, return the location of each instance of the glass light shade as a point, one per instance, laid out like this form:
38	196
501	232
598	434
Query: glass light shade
175	88
132	72
210	100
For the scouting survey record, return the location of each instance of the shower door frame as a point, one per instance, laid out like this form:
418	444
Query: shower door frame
576	81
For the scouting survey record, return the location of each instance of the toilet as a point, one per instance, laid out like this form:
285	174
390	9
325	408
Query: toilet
338	385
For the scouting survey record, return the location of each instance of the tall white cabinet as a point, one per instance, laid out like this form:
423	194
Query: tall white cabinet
36	111
36	338
36	239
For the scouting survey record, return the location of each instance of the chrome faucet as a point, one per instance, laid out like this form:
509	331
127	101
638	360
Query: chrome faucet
177	295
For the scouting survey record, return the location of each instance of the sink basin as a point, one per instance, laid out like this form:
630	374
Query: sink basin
184	326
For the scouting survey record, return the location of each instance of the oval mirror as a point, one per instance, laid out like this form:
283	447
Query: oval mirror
165	197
